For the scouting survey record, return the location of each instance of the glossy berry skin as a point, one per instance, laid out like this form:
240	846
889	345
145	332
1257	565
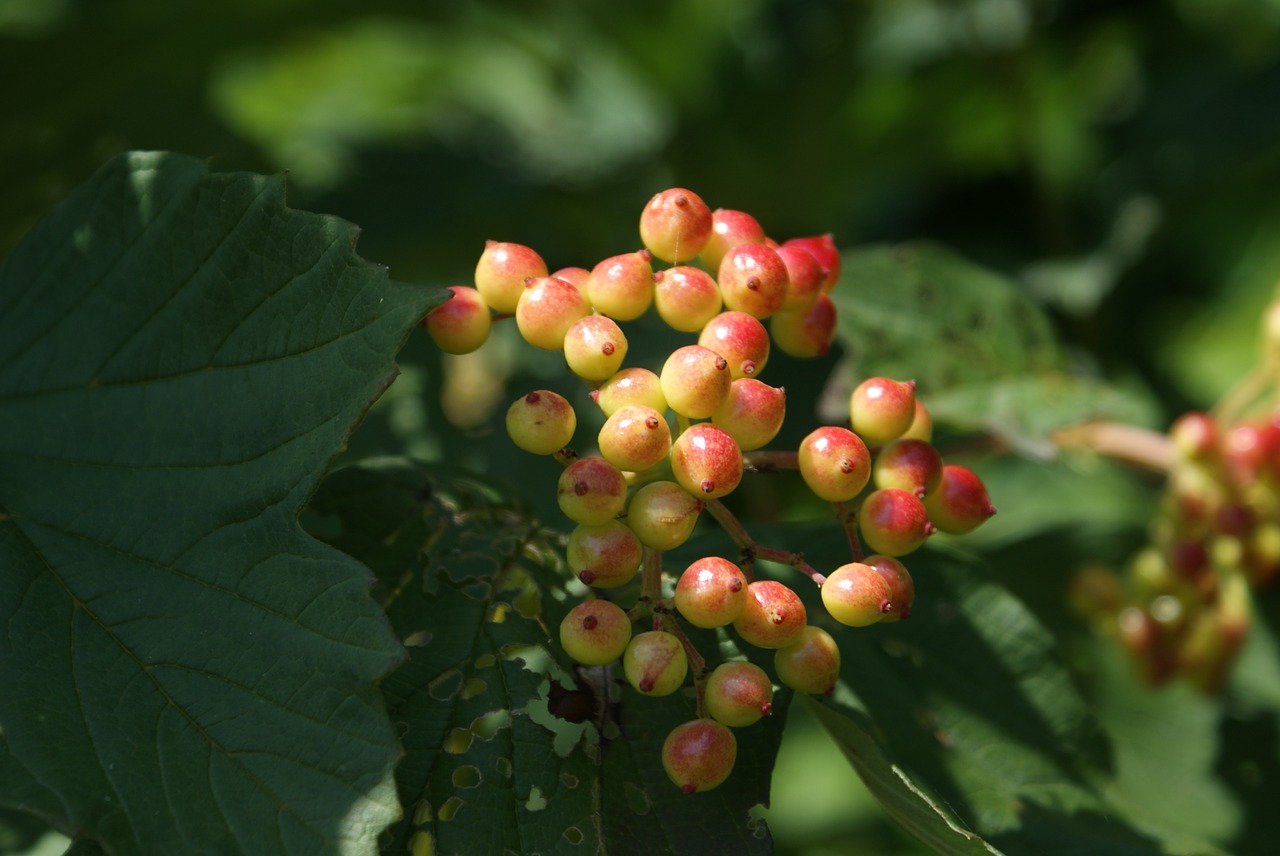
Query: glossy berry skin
675	225
738	694
902	588
634	438
622	286
893	521
663	514
921	424
706	461
695	381
752	413
575	276
699	755
834	463
541	422
461	324
591	491
547	308
912	465
655	663
630	386
882	409
804	274
595	632
729	228
686	298
753	280
810	665
807	332
960	503
604	556
824	249
741	339
711	592
772	617
856	595
594	347
502	271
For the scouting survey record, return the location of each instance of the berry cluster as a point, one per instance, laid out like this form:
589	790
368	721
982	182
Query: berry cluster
674	441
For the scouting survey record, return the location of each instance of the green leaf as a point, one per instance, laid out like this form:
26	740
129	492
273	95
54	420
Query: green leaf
983	356
185	670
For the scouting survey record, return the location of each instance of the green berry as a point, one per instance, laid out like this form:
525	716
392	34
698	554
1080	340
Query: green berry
630	386
594	347
542	422
655	663
604	556
695	381
595	632
591	491
622	286
663	514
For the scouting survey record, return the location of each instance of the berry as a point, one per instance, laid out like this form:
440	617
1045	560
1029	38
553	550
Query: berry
575	276
711	592
893	521
811	665
902	589
1194	435
594	347
622	286
706	461
741	339
699	755
834	463
675	224
752	413
547	308
686	298
882	409
591	491
501	273
604	556
772	617
729	228
738	694
655	663
857	595
753	279
921	424
542	422
960	503
806	332
630	386
634	438
461	324
695	381
804	274
912	465
823	248
663	514
595	632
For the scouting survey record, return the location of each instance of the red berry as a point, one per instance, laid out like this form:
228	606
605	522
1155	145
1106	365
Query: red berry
501	273
882	409
825	251
711	592
699	755
706	461
893	521
675	225
738	693
547	308
902	589
773	615
857	595
591	491
622	286
805	275
461	324
807	332
685	298
834	463
634	438
960	503
729	228
912	465
811	664
655	663
753	279
604	556
695	381
741	339
752	412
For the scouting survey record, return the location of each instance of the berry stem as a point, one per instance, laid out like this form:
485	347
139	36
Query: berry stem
651	581
565	456
770	462
697	663
752	551
1140	446
848	517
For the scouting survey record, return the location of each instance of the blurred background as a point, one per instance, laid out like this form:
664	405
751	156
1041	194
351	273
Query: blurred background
1119	161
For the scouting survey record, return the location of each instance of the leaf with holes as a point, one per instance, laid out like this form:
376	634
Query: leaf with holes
184	669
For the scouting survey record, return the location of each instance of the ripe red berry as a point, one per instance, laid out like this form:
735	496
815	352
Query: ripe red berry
685	298
741	339
902	589
894	522
729	228
857	595
711	592
706	461
752	413
634	438
804	274
882	409
912	465
699	755
501	273
461	324
695	381
541	422
807	332
772	617
622	286
834	463
960	503
675	225
595	632
663	514
753	279
823	248
547	308
811	664
738	693
592	491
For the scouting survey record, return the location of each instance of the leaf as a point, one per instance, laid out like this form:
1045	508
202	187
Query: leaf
476	587
983	356
185	670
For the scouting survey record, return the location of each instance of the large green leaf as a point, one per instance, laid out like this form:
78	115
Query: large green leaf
184	669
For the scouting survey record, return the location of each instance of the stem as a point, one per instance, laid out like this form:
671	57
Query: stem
770	462
752	551
651	581
565	456
1143	447
697	663
847	518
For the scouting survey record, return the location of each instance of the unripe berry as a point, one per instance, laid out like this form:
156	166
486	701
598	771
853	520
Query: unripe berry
752	413
575	276
753	280
882	409
699	755
960	503
811	665
655	663
823	248
706	461
911	465
547	308
834	463
542	422
686	298
729	228
738	693
893	521
595	632
663	514
634	438
675	225
741	339
857	595
594	347
502	271
622	286
695	381
591	491
902	589
772	617
804	274
604	556
1194	435
461	324
711	592
630	386
921	424
805	333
